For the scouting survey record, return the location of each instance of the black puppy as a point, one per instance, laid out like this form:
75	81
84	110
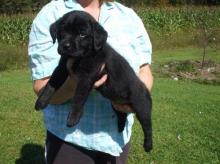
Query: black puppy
83	49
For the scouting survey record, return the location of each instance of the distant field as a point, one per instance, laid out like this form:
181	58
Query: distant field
161	23
168	27
185	119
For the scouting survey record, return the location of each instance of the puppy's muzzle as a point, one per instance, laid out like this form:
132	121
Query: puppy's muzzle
64	47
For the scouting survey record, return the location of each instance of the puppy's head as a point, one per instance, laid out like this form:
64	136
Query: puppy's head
78	34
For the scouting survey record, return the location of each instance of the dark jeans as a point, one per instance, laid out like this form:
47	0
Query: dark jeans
61	152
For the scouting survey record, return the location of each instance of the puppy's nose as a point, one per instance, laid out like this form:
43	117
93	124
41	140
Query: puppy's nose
66	46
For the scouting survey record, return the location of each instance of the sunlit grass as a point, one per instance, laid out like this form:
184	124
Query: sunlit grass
185	123
20	125
13	57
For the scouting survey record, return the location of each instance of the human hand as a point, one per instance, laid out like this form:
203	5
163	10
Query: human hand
125	108
102	80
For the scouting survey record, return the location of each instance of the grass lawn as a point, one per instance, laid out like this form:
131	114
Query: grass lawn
186	119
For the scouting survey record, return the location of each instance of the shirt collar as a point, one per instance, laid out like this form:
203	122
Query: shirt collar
73	4
106	8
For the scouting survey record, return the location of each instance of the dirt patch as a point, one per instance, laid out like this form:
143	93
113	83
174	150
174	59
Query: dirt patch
207	72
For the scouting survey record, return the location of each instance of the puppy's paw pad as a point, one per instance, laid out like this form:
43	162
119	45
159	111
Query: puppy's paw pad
71	122
40	105
73	119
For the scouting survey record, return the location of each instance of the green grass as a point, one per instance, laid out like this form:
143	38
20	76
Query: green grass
12	57
185	123
190	53
20	125
185	119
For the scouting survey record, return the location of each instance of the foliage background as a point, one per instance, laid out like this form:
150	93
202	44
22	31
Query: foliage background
168	27
160	21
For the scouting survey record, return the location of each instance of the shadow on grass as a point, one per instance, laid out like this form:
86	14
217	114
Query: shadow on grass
31	154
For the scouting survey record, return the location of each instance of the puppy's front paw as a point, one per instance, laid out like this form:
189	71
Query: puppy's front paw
40	104
44	98
148	145
73	119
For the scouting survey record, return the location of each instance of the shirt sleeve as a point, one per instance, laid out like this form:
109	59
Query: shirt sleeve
143	46
43	56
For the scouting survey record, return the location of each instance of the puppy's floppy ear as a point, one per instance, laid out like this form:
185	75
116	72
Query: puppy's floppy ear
99	36
54	29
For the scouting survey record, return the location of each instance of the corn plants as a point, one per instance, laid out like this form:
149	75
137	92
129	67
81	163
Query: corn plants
14	29
171	20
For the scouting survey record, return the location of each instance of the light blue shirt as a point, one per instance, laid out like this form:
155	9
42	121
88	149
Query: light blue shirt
97	129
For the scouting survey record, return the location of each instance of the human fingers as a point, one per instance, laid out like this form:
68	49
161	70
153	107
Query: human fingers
101	81
102	67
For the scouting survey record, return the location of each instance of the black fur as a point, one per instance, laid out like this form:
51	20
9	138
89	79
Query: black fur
81	39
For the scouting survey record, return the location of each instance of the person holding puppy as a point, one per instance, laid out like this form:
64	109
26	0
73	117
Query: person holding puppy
95	139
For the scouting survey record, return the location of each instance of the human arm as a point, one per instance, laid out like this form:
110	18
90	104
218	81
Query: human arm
146	76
